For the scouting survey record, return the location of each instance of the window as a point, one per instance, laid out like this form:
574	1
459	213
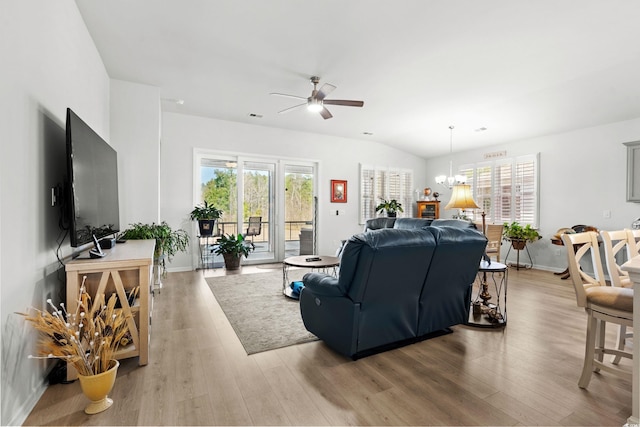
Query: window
378	183
506	189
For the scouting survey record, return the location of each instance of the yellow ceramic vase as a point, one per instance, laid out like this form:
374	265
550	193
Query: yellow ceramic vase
97	387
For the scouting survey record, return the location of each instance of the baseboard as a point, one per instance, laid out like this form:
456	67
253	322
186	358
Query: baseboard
20	416
179	269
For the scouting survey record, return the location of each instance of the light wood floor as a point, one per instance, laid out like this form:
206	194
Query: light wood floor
199	374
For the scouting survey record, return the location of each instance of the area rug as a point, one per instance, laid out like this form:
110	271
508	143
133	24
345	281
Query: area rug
270	266
261	316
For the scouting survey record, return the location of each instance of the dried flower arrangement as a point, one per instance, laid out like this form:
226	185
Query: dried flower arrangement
87	338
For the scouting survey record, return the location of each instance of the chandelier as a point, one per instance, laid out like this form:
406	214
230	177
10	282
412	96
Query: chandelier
451	180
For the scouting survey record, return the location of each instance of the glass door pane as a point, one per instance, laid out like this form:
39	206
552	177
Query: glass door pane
299	210
257	208
218	187
219	183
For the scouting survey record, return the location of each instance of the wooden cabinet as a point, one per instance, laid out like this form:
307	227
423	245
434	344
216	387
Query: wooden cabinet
633	171
124	267
429	209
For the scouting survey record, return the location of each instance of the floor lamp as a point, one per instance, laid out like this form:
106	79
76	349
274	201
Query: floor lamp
461	198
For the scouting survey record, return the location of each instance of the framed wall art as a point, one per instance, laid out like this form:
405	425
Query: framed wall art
338	191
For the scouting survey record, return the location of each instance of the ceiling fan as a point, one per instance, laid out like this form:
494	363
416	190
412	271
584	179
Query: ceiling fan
317	101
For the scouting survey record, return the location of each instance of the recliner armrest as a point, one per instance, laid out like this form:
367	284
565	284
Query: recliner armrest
322	284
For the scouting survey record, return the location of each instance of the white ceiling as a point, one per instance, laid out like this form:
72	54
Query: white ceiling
520	68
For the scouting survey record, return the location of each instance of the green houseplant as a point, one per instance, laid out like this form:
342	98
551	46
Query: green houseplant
168	241
233	248
519	235
206	215
392	207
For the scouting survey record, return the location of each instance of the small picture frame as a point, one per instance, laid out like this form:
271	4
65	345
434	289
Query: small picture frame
338	191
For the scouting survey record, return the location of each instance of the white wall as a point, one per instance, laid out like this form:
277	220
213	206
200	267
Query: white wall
49	63
135	135
582	174
338	158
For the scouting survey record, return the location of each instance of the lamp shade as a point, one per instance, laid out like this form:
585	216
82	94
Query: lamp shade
461	198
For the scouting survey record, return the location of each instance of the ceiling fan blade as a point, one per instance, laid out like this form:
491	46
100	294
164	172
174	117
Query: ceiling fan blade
344	102
325	90
286	110
287	96
325	113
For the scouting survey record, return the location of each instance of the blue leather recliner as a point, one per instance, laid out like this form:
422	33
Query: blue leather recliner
395	287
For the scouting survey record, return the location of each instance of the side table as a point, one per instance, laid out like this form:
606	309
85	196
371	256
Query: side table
564	275
206	245
322	263
489	311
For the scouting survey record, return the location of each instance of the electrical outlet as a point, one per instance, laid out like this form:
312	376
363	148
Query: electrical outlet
606	214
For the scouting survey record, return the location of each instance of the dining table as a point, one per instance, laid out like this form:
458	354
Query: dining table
633	268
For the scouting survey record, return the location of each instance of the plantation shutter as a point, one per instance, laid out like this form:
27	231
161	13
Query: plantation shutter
525	190
483	190
367	192
377	184
468	171
506	189
502	192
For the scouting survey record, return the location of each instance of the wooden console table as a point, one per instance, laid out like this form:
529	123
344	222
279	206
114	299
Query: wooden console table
124	267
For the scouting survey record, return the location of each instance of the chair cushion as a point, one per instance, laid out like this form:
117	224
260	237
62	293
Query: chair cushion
610	297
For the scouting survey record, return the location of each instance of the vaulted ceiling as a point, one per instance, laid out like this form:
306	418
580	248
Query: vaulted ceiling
518	68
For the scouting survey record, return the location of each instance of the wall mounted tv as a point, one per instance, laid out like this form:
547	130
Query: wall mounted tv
92	167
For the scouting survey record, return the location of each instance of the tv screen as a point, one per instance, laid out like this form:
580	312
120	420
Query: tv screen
93	183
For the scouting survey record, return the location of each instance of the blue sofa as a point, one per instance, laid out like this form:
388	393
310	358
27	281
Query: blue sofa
412	223
396	286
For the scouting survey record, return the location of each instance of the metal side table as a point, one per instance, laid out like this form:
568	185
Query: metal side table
487	310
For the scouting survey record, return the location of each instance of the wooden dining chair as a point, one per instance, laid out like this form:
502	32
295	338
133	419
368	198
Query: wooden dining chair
494	240
616	243
602	304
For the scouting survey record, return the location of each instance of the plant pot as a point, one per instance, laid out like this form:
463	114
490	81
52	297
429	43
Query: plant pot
518	244
97	387
231	262
391	215
158	270
207	226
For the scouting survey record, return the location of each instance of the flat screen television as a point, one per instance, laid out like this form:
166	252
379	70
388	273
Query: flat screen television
92	167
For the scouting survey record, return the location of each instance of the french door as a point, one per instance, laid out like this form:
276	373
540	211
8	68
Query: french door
274	196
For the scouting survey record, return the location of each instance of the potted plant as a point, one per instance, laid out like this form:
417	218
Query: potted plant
206	215
519	235
233	248
168	242
392	207
87	339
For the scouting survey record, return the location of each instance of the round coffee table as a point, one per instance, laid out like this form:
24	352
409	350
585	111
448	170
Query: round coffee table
322	263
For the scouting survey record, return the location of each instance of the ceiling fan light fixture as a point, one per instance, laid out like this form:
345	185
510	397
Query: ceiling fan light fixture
314	105
316	102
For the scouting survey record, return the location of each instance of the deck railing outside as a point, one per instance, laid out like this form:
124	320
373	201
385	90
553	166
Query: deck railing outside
292	229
